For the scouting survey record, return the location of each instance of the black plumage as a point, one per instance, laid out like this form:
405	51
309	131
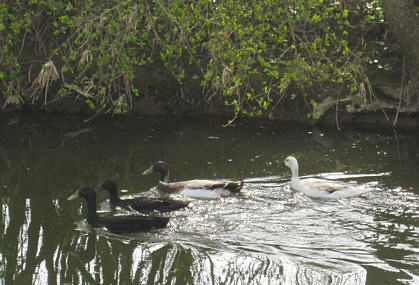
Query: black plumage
140	204
117	224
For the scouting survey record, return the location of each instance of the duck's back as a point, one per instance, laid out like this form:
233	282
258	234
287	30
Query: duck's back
321	185
147	204
326	189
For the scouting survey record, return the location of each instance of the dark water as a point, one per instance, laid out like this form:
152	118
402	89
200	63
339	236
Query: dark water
267	235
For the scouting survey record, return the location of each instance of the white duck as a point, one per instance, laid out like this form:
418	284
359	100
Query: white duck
318	188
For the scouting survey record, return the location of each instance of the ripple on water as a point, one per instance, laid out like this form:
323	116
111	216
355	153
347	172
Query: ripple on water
269	234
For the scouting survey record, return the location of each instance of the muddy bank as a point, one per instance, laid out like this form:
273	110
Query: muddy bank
364	116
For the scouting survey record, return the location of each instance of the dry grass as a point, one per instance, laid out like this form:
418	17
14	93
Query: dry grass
46	76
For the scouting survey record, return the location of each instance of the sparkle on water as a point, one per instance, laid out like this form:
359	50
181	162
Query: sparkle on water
268	234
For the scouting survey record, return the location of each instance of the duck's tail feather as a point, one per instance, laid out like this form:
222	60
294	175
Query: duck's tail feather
234	187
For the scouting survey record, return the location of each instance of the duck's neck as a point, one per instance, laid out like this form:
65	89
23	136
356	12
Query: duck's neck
164	187
114	197
92	217
295	180
294	174
165	176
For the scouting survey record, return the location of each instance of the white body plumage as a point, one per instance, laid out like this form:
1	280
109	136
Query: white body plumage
317	188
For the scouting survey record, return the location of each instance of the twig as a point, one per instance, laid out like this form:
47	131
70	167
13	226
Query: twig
23	42
94	115
337	108
231	121
400	99
282	93
78	90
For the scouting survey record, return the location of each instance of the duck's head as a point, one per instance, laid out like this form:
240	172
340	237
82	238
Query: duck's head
108	185
159	167
290	162
84	192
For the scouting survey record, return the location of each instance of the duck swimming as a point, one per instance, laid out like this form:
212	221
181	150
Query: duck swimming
198	188
116	224
140	204
318	188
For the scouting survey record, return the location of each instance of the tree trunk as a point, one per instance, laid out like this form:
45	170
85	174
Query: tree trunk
403	22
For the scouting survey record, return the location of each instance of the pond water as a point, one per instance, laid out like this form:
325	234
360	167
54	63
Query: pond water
268	234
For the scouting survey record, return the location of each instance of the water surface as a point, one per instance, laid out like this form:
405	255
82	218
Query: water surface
268	234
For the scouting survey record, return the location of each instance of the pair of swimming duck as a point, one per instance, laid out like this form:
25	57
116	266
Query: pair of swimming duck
193	188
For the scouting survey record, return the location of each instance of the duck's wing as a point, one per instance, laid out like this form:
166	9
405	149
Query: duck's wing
147	204
173	187
213	185
326	186
124	204
128	224
197	184
200	184
227	185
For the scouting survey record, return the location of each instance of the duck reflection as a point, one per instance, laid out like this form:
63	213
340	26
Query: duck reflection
263	237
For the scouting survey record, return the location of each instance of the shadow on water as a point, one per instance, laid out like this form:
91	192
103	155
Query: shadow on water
268	234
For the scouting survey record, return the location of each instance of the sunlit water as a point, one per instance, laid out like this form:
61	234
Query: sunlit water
268	234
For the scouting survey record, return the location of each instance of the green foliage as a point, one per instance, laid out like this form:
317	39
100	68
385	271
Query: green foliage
14	22
248	54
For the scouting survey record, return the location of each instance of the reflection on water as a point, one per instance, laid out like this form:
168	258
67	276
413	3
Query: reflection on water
268	234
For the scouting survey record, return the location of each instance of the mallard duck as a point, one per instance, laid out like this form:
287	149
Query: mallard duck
140	204
198	188
116	224
317	188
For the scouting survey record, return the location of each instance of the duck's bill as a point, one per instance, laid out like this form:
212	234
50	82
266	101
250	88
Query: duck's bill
74	196
148	171
99	188
282	165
